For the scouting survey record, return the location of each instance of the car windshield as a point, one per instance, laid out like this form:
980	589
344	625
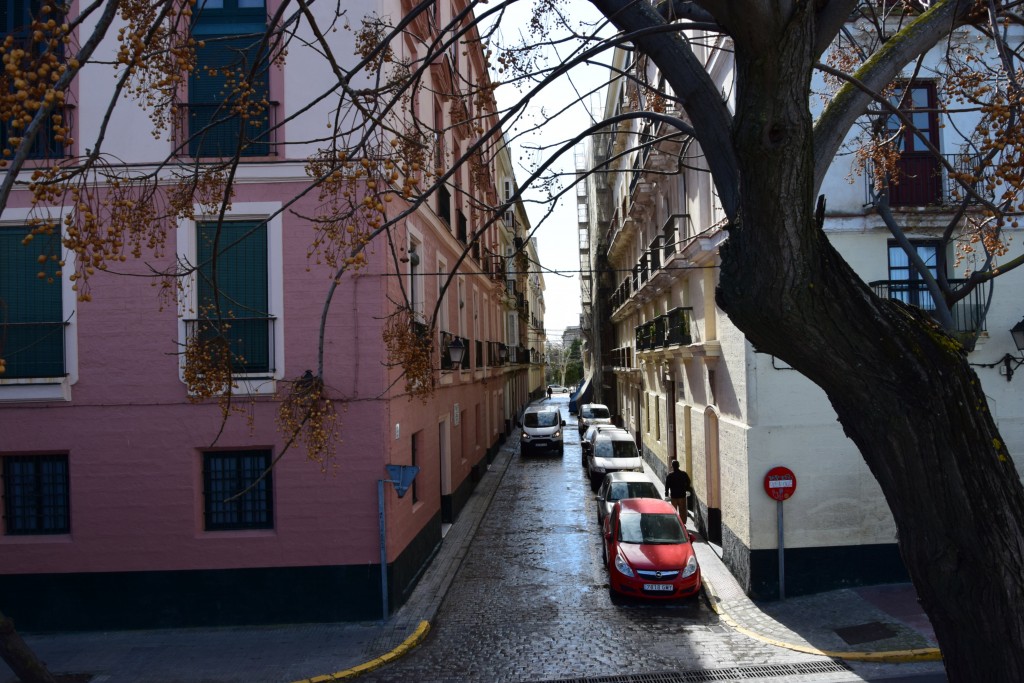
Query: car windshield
596	413
651	528
633	489
545	419
615	449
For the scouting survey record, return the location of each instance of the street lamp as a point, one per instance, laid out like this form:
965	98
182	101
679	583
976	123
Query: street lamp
456	350
1011	362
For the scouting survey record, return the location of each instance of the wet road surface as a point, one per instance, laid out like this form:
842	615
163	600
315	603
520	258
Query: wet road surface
531	602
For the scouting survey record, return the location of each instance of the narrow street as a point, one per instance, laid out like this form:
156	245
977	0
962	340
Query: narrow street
531	602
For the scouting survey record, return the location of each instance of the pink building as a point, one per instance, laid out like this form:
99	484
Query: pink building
125	504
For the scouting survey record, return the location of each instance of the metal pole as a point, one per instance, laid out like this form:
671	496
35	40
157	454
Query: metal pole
383	551
782	555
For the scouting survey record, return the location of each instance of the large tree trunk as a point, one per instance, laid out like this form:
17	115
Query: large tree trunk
19	656
902	389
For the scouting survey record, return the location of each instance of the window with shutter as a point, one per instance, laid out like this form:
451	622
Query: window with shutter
31	308
232	291
229	106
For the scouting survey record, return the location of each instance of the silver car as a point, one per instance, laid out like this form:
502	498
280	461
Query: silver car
587	442
613	452
593	414
619	485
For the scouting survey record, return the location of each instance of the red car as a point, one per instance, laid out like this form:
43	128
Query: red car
648	551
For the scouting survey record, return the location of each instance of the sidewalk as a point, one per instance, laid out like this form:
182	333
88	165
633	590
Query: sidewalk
875	626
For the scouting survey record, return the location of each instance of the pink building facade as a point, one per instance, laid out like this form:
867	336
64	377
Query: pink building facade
125	505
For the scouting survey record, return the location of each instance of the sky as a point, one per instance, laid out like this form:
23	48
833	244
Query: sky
557	235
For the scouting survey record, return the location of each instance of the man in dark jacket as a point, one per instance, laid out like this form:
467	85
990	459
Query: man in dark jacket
677	483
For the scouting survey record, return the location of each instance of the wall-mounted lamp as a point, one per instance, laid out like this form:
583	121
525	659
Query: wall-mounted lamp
1011	363
456	350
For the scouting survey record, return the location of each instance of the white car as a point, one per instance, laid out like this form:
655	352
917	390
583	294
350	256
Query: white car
613	452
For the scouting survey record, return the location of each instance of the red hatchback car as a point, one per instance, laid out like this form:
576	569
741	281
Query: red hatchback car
648	552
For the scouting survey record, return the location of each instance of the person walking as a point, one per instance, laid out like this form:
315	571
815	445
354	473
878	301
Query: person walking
677	483
549	393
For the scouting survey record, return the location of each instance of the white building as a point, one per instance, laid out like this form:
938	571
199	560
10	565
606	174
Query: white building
688	385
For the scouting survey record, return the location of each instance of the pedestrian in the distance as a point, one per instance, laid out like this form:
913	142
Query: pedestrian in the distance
677	483
549	393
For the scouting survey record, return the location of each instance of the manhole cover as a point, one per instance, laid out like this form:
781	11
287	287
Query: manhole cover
865	633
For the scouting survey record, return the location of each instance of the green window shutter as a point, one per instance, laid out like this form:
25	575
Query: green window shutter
31	308
224	60
234	296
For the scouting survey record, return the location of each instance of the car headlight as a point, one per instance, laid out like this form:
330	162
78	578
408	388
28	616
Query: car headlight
691	566
623	567
557	435
526	436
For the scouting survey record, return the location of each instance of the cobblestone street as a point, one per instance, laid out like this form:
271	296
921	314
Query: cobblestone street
531	601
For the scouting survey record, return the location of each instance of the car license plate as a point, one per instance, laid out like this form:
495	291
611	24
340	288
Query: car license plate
659	587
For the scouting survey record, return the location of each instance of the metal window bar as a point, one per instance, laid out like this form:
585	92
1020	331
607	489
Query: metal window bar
446	340
465	356
444	205
36	495
250	341
212	130
479	354
225	475
923	181
968	313
34	349
678	321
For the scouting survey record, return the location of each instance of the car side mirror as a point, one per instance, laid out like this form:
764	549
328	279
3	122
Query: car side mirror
599	499
563	423
693	536
519	424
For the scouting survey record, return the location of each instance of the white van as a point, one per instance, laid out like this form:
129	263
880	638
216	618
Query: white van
541	429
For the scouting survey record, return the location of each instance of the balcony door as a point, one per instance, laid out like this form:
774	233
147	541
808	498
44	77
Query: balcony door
905	283
918	180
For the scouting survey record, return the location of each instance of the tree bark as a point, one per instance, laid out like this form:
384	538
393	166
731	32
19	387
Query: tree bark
902	389
20	657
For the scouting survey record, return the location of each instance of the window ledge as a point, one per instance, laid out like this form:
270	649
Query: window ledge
35	389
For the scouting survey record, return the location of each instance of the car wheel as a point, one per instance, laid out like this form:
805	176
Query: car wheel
604	555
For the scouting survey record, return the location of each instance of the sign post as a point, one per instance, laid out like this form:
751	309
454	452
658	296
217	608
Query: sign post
779	484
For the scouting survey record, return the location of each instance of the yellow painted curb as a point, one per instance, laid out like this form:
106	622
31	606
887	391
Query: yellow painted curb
928	654
412	641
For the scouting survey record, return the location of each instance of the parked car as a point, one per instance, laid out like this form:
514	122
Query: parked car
587	442
620	485
593	414
613	451
648	551
557	389
541	429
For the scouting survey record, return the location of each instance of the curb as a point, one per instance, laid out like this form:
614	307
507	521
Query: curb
928	654
412	641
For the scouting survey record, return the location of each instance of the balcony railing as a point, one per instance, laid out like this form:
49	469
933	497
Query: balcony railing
250	340
968	313
621	357
677	229
212	130
670	329
480	362
33	350
921	180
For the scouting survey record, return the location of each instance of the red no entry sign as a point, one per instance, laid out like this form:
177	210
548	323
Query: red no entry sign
779	483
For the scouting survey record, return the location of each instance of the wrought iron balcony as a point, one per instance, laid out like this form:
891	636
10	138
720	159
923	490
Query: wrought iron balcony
250	340
921	180
669	329
968	313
